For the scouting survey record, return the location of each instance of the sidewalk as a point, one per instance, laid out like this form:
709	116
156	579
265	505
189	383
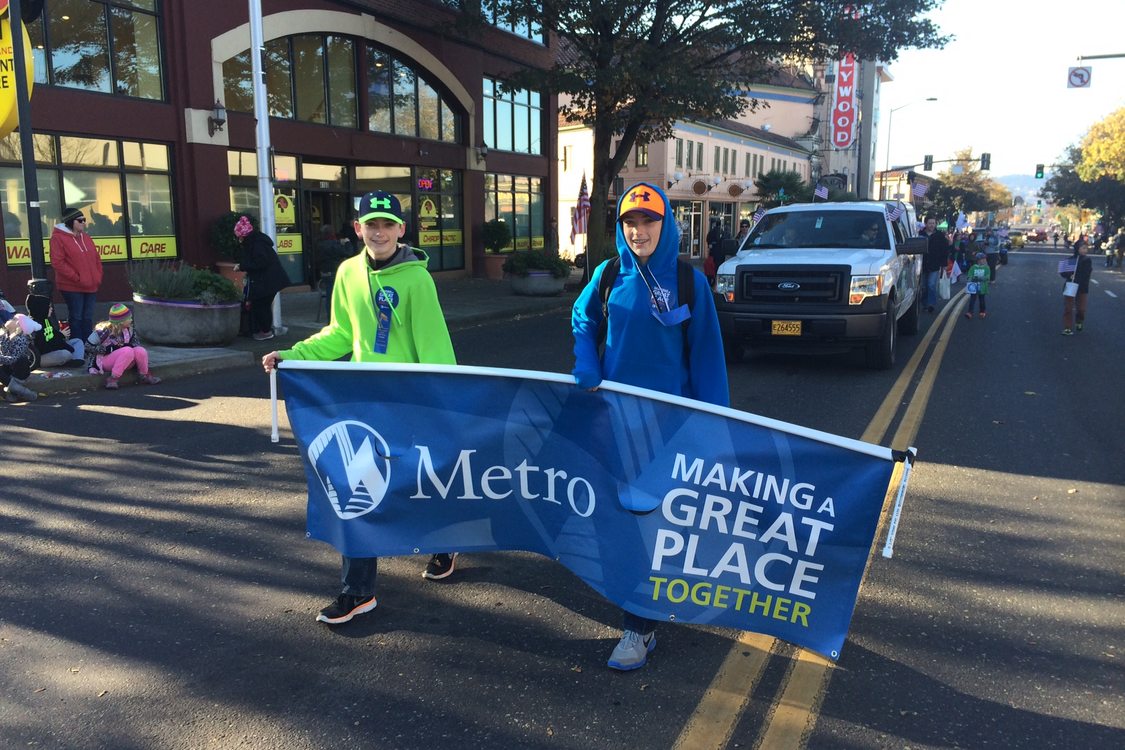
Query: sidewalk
466	302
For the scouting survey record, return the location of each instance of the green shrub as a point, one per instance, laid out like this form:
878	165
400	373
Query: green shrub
496	235
222	236
522	262
172	280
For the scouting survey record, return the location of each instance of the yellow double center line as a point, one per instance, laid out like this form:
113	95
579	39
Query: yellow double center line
795	709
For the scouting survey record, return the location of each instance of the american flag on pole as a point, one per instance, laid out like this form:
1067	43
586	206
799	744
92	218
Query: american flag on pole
920	189
821	192
581	218
758	215
1068	266
893	212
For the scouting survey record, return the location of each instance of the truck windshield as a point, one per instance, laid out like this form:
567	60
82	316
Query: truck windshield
828	229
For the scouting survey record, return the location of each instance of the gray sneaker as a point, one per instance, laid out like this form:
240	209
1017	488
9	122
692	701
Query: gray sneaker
632	651
17	391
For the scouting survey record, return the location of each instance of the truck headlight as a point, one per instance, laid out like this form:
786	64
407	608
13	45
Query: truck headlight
724	286
864	287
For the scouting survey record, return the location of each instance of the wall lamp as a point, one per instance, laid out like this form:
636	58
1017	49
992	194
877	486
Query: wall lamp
482	151
217	119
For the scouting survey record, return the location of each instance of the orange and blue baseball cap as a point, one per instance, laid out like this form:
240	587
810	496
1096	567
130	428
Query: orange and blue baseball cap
645	199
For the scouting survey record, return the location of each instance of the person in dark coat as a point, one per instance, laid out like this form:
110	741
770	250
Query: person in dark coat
1074	308
935	259
264	276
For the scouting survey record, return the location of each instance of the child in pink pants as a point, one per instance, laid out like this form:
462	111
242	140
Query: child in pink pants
114	347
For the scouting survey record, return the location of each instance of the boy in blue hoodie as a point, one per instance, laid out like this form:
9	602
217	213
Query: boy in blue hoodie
645	339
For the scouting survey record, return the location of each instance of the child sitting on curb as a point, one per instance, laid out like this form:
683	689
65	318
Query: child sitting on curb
17	357
114	347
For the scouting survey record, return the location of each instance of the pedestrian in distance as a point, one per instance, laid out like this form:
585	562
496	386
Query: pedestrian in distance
1119	245
976	286
643	317
330	252
384	309
935	259
17	357
1055	238
78	270
1074	308
992	253
264	276
114	348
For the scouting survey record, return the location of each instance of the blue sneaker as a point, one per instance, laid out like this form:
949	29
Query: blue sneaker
632	651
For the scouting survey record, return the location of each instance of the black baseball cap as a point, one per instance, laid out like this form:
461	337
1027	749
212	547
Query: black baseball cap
379	205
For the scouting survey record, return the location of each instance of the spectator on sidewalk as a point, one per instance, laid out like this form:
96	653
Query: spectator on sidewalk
265	276
384	309
1074	308
78	271
330	252
992	253
53	348
17	357
645	340
114	348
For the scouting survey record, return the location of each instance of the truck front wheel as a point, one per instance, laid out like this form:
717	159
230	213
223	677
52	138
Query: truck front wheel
881	353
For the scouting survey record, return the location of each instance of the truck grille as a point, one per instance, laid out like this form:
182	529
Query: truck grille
824	285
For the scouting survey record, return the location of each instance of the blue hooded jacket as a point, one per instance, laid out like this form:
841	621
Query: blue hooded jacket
640	350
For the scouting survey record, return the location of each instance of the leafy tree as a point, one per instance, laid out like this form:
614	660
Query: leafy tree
632	68
1103	149
1066	187
776	188
963	187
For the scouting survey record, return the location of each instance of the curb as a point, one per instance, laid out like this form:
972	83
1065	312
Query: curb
181	363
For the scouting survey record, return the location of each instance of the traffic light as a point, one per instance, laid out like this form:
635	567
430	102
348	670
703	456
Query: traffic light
927	162
1039	171
985	162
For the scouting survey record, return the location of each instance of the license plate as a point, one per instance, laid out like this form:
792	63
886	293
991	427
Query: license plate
785	327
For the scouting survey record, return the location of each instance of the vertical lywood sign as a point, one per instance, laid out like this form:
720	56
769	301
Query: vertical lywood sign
844	108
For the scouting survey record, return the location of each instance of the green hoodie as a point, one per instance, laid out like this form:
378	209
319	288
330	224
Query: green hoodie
417	331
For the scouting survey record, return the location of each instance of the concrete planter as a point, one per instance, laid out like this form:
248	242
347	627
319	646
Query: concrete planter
538	284
185	323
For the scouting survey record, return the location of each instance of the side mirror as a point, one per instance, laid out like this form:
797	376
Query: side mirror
913	246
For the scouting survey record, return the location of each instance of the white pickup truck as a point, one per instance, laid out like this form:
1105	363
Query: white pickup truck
824	277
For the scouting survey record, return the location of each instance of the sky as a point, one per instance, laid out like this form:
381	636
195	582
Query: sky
1001	83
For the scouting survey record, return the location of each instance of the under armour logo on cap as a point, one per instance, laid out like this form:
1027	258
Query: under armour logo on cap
643	198
380	205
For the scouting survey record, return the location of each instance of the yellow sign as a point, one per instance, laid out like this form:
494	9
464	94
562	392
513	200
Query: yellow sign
111	248
435	237
17	251
143	248
9	112
288	244
284	210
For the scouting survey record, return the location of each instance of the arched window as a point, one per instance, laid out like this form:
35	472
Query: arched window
313	78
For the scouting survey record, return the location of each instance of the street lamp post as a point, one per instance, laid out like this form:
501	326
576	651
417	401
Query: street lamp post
890	121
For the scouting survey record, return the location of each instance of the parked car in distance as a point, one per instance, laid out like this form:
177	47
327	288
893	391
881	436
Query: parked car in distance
1037	235
1016	239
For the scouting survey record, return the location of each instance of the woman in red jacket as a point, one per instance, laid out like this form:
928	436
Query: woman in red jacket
78	271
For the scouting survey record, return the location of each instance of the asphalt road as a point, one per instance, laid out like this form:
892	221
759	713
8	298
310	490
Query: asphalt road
158	591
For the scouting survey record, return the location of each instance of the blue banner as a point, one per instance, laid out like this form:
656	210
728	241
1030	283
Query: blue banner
673	509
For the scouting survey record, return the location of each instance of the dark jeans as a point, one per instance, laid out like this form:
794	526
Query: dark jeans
636	623
80	313
992	259
20	370
357	575
261	315
974	298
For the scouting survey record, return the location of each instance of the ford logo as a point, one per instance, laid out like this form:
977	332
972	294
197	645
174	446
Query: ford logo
789	286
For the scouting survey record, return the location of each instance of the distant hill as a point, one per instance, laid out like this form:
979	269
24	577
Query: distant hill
1021	184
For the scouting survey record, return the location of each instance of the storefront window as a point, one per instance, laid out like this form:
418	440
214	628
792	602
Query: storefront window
123	187
518	202
279	91
342	92
75	41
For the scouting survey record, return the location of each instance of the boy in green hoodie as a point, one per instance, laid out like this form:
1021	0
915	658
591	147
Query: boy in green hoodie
384	309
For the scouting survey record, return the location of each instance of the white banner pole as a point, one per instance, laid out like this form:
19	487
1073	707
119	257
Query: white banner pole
274	437
892	530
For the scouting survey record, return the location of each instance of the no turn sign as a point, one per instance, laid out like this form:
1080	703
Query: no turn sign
1078	78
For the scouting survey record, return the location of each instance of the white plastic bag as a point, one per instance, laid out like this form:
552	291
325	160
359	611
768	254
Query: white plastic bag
1071	289
943	289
